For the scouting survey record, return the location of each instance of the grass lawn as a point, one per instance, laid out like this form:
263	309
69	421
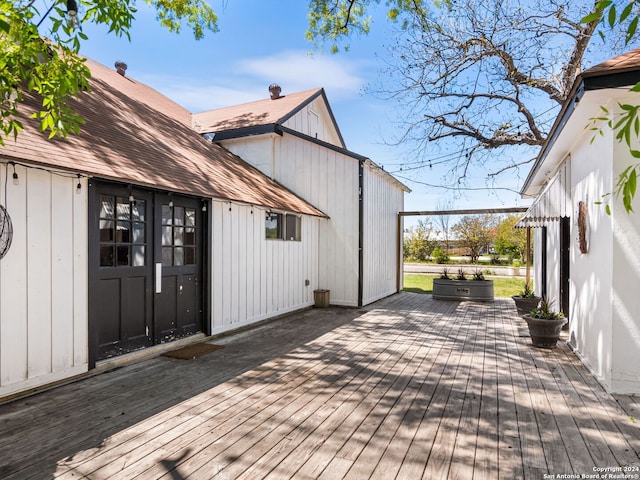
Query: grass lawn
502	286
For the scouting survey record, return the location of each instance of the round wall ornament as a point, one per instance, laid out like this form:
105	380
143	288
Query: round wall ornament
583	227
6	231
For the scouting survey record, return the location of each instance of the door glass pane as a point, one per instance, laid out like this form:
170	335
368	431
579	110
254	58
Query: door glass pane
138	210
178	236
122	255
178	215
190	217
167	256
107	230
124	209
106	206
138	232
167	215
189	236
178	256
189	255
137	256
106	256
123	234
167	234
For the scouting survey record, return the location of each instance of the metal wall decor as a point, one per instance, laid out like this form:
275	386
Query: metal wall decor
6	231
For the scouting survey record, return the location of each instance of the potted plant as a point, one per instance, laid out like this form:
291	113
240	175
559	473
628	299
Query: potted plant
461	287
545	324
526	300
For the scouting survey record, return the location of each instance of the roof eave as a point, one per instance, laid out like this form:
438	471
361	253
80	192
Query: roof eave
584	83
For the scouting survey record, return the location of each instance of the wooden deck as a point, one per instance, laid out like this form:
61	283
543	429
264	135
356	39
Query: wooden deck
405	388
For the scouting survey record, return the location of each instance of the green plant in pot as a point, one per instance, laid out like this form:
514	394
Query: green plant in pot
545	324
527	300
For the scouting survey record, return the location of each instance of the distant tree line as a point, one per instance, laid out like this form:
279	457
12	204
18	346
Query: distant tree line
471	235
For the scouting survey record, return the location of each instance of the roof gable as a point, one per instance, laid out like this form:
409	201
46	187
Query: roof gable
262	116
136	135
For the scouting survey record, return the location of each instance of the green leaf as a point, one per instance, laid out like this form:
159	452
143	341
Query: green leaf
612	16
626	12
635	153
591	17
636	87
632	182
631	30
607	209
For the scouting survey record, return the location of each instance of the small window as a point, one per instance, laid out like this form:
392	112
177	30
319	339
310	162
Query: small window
281	226
273	225
292	228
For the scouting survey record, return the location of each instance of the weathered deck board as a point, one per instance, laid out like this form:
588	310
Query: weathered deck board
406	388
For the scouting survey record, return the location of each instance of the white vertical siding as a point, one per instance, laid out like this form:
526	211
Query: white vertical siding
591	274
625	298
314	120
383	200
329	180
43	289
254	278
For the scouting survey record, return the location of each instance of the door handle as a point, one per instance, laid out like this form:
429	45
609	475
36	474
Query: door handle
158	277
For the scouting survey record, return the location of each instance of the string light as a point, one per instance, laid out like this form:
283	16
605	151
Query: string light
78	186
16	180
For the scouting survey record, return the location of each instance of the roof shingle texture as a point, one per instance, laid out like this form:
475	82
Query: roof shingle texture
136	135
626	62
252	114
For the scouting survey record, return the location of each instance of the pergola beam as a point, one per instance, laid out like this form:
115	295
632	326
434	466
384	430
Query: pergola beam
473	211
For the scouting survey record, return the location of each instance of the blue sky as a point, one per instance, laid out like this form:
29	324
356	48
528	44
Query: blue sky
262	42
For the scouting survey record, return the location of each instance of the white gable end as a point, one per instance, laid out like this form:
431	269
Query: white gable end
316	121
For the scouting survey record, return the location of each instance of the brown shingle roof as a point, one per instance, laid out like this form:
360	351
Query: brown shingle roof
136	135
626	62
253	114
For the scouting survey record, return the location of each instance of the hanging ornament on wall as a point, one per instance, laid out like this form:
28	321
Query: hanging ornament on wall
583	240
6	231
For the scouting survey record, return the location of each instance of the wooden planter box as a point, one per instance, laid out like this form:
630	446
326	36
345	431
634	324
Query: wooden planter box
321	298
480	290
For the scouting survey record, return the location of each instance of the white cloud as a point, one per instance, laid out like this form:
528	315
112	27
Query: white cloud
297	70
248	79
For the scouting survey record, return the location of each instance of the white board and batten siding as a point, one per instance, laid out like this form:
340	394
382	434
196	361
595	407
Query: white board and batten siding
328	180
254	278
383	200
315	120
43	281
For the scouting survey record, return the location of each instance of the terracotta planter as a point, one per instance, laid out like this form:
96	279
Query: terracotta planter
544	333
524	305
448	289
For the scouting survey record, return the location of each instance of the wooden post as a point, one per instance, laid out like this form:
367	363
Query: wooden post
399	255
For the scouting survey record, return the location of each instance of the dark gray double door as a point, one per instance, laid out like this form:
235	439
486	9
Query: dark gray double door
146	269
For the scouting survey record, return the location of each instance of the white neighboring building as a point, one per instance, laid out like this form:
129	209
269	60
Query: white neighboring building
294	139
585	260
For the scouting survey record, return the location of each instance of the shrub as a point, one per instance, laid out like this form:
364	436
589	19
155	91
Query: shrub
440	256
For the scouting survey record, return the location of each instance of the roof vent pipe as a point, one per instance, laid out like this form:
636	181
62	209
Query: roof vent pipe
274	90
121	67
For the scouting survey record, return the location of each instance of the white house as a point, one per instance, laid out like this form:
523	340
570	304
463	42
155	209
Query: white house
139	231
295	140
588	262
